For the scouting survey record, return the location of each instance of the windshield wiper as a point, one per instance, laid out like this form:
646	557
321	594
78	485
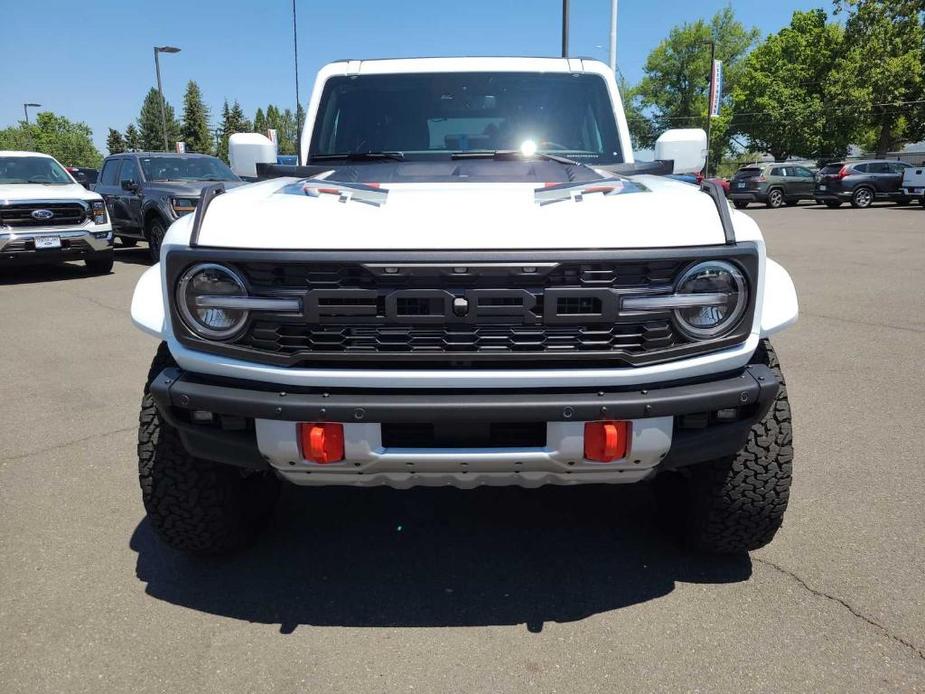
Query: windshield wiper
358	156
512	154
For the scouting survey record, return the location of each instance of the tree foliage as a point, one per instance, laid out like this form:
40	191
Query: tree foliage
115	142
675	88
233	121
880	76
132	138
195	129
780	97
150	125
70	142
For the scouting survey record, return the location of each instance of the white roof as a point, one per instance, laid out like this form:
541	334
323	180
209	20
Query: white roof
13	153
464	64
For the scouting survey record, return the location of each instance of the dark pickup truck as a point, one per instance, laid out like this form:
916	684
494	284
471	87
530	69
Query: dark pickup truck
146	192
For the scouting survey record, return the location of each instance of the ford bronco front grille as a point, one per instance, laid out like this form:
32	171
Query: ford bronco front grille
42	214
480	309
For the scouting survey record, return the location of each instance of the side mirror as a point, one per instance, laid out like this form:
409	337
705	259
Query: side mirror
686	147
129	185
246	150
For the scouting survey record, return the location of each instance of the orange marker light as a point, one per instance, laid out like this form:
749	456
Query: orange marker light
606	441
322	443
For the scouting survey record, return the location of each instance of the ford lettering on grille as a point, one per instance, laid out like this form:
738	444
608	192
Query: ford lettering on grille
557	306
42	215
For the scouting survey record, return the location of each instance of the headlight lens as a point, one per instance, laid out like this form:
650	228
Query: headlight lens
182	206
210	280
99	211
715	277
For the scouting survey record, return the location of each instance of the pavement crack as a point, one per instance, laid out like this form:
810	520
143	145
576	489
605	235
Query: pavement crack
918	652
65	444
872	324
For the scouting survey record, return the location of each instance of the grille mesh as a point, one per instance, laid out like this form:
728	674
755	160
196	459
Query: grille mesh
64	214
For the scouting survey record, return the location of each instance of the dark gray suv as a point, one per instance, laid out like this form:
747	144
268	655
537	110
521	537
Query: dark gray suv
861	183
146	192
772	184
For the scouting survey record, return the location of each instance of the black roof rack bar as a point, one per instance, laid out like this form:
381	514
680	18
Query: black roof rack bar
715	191
209	193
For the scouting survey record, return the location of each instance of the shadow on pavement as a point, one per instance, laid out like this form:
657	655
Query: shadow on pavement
137	255
437	557
33	274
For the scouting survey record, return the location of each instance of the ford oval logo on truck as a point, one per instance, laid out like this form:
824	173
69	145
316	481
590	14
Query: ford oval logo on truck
42	215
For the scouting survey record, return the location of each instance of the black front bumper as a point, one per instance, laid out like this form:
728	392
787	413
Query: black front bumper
230	437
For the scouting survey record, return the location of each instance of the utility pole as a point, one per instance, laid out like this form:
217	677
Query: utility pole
565	28
706	168
25	109
614	8
160	90
298	122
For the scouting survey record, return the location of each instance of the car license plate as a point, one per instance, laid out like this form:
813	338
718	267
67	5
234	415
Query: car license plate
47	242
740	185
822	188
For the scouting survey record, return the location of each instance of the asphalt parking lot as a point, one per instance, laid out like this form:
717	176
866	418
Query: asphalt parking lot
495	590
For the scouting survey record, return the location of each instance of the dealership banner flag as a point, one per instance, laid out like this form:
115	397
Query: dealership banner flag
716	88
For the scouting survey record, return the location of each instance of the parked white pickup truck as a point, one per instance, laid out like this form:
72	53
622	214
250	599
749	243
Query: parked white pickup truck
468	282
913	183
48	217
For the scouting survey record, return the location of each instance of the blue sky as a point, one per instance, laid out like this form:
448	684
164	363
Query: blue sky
92	60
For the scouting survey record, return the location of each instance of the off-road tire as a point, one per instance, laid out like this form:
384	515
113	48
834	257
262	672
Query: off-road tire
195	505
128	242
740	204
737	504
862	198
100	264
775	198
155	236
833	204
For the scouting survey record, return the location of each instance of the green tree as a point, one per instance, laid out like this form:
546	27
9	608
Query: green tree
260	122
880	77
150	124
132	138
233	121
195	129
675	88
115	143
642	130
780	100
70	142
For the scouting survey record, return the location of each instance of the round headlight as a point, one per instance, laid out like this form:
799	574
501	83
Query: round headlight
199	296
724	301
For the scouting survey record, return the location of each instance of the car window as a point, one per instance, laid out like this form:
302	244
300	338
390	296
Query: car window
899	166
831	168
801	171
109	174
129	171
35	169
862	168
881	167
779	171
748	172
167	168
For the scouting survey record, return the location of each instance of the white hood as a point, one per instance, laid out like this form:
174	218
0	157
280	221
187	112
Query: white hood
441	216
15	192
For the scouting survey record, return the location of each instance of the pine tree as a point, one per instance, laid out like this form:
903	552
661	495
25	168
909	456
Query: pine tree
132	138
260	122
150	124
195	129
115	143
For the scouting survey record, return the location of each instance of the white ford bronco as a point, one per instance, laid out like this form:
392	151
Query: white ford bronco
467	281
48	217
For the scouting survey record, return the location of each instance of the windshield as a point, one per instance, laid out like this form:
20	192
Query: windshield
186	169
436	115
748	172
32	170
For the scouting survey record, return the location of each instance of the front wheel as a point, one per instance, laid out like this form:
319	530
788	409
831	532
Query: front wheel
156	233
775	198
195	505
737	504
740	204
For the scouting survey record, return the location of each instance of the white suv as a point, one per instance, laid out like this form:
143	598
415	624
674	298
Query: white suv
47	217
469	282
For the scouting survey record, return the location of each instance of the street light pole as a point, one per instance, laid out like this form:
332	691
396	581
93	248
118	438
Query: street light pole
25	109
298	124
614	8
160	90
565	28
